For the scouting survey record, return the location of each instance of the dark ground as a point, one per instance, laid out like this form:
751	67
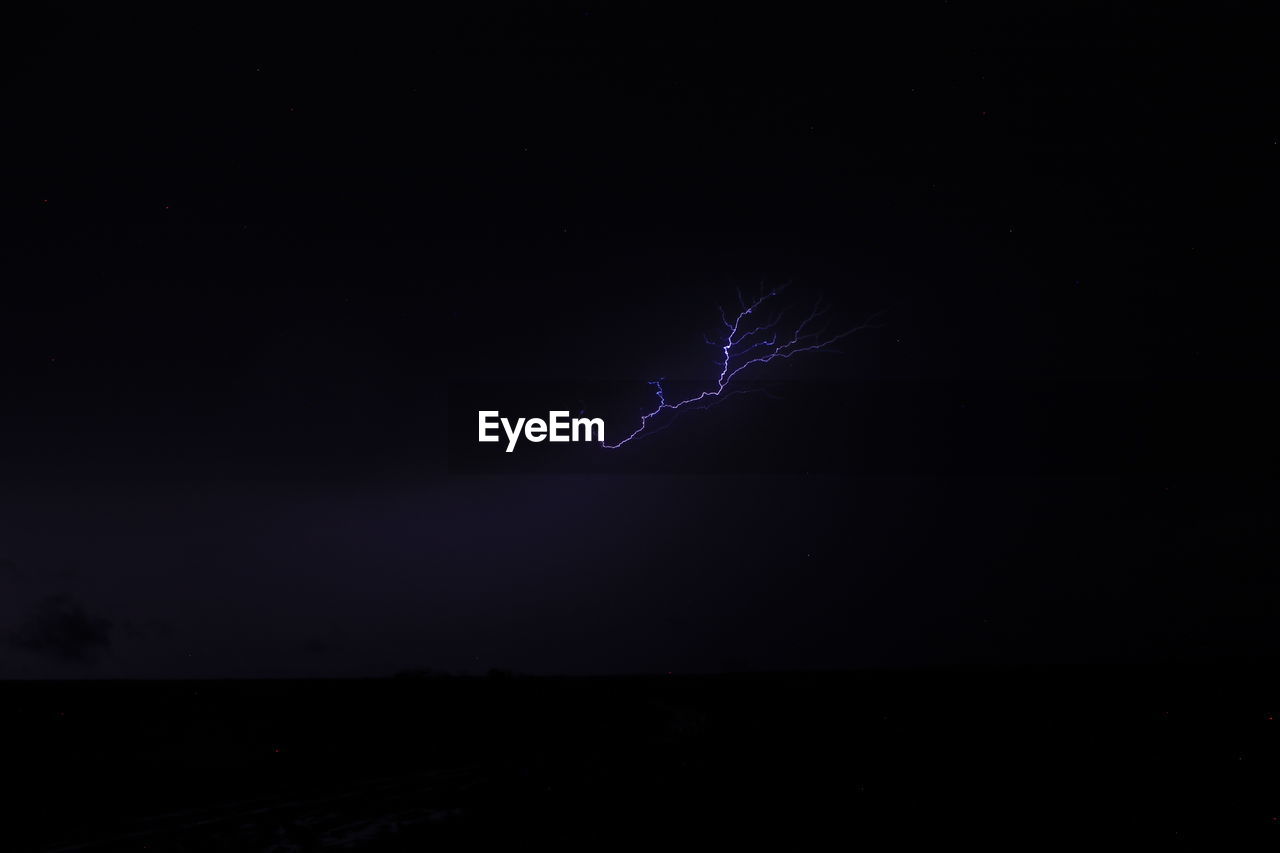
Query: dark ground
1157	756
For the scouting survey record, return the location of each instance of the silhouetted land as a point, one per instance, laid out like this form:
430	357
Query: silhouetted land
1168	755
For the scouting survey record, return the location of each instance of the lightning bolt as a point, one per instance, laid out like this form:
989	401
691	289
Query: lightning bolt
746	342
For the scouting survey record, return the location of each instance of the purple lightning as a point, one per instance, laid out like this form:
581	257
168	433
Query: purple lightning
738	344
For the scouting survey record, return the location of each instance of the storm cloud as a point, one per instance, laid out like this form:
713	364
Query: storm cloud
59	628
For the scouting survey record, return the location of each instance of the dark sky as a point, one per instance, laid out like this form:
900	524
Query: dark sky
255	266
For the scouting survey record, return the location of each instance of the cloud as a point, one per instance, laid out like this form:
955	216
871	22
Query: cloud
9	571
59	628
326	644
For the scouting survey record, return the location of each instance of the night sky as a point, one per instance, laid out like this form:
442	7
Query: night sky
257	267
